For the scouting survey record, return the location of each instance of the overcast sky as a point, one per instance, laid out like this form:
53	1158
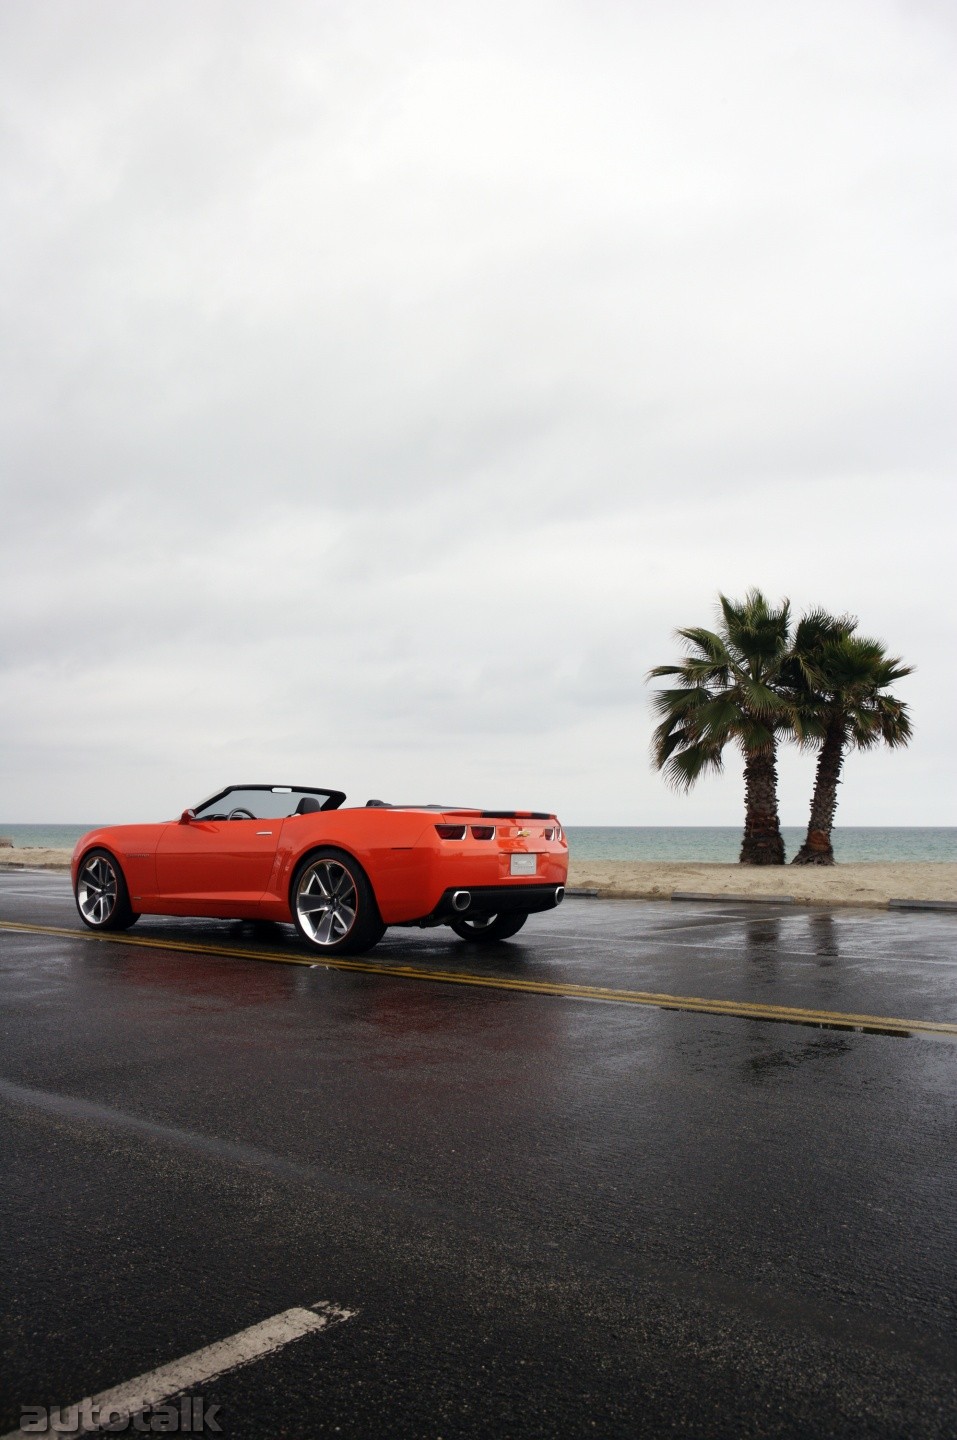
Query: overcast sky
382	384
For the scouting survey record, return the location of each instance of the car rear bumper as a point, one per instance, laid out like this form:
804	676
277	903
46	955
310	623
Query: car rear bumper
464	903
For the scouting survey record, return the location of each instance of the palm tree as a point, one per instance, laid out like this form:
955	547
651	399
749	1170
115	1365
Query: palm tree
727	691
838	684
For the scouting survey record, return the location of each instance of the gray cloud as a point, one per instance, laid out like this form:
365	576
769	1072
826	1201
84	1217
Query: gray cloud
381	385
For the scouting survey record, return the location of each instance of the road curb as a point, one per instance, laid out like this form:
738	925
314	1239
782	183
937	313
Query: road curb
922	905
12	865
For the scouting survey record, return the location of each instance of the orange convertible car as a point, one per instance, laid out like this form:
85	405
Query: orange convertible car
290	852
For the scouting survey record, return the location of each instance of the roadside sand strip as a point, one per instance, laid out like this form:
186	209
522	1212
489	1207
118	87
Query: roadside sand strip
13	858
861	884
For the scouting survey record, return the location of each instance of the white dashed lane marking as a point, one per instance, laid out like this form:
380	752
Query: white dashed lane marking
157	1386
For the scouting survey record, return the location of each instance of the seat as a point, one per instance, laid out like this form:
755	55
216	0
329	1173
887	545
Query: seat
307	805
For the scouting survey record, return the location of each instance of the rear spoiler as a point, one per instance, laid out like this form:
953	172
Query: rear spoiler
516	815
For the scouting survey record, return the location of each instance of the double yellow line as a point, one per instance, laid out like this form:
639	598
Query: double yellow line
738	1009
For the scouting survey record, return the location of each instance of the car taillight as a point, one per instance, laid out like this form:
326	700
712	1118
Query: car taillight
450	832
554	832
483	832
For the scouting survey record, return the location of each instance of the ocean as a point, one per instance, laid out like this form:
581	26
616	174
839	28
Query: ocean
723	842
658	842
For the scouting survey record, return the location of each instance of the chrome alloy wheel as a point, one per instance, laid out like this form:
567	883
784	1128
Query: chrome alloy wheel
97	890
326	902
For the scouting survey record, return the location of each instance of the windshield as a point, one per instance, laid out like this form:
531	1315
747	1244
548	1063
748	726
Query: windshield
267	802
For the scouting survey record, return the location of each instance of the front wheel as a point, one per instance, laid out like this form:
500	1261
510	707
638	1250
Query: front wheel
333	905
101	894
485	928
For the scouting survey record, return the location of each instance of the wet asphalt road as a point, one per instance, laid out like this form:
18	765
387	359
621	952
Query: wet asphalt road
553	1217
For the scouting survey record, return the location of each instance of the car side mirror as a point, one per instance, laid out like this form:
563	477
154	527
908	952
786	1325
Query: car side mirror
187	816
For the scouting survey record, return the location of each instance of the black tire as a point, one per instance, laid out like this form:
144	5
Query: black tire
101	896
484	929
333	904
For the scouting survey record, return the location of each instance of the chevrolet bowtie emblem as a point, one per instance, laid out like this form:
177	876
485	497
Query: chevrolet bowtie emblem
523	832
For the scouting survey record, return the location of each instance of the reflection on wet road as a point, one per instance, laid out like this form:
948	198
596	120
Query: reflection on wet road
488	979
551	1216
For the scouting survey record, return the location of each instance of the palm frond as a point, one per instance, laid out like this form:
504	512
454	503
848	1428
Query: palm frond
760	699
710	646
688	765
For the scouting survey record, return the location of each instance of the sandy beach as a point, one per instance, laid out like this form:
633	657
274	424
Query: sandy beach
862	884
32	858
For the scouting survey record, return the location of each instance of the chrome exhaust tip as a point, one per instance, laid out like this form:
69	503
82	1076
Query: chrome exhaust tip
461	899
559	894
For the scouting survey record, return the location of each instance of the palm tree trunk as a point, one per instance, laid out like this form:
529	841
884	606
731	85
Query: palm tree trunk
817	849
762	843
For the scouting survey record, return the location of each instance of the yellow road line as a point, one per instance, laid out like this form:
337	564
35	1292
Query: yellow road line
741	1009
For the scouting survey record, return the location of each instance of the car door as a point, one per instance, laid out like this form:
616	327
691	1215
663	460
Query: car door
219	867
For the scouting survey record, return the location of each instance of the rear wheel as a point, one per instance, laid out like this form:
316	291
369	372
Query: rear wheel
485	928
334	906
101	894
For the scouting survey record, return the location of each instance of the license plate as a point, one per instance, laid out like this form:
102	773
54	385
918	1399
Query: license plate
522	864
